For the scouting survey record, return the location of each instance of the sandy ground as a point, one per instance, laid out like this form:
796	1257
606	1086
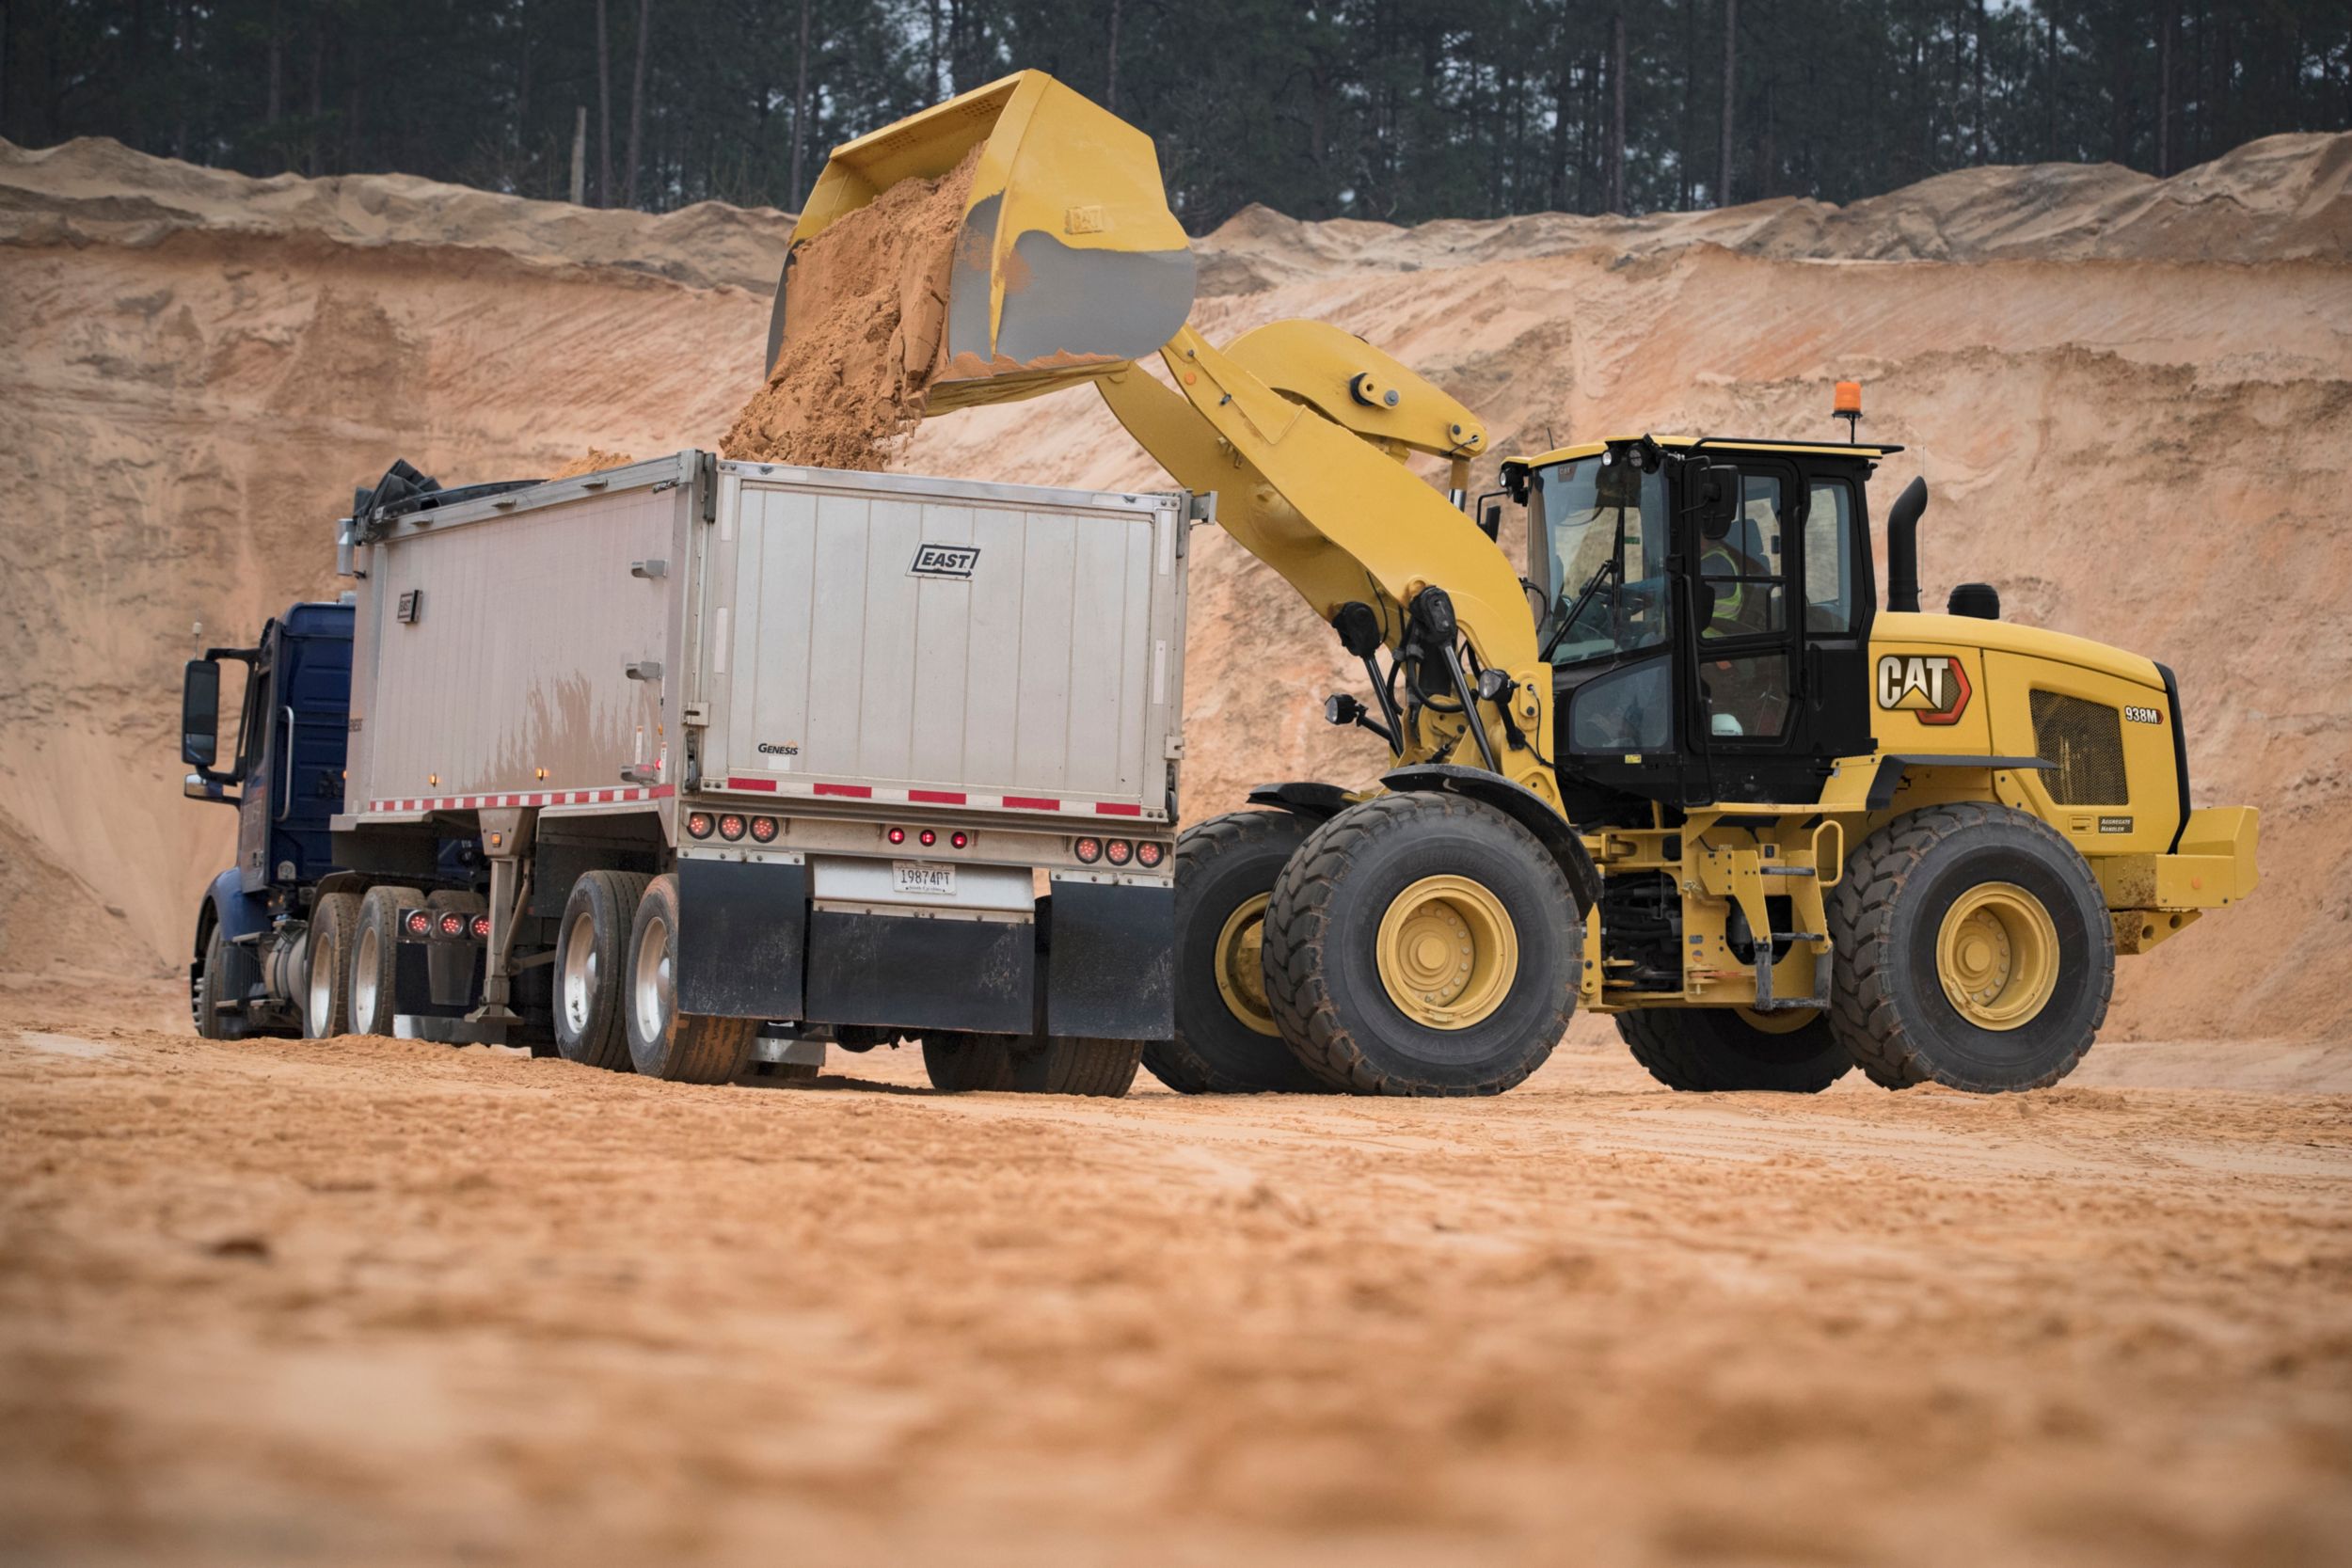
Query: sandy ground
385	1301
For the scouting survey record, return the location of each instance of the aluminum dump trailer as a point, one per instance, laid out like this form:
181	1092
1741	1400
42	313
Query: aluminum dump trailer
877	754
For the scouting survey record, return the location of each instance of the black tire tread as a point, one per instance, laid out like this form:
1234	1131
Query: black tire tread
382	901
606	1043
1861	1004
1299	918
1174	1062
336	913
1678	1056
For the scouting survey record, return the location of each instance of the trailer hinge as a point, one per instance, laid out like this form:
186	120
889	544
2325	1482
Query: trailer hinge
644	669
1201	508
695	716
1175	747
706	467
656	567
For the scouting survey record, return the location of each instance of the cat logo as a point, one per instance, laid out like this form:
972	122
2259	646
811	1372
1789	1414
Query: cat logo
1933	685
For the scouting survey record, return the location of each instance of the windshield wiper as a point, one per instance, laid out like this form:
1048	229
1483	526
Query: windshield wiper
1606	570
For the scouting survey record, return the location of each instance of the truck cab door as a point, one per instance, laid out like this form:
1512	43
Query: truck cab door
258	748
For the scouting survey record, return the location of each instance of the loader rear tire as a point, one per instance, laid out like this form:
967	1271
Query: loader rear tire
1718	1049
326	966
1423	943
374	957
1227	1041
966	1063
1974	951
591	950
683	1048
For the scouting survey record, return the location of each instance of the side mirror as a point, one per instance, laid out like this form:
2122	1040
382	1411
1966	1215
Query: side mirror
1715	497
1491	520
199	713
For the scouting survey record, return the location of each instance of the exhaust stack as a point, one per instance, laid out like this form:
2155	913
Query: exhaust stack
1902	546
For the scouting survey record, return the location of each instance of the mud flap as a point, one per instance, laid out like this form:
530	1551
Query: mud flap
1111	963
742	930
914	973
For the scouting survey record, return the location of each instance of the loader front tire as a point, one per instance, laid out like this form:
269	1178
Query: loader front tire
1722	1050
326	966
1423	943
376	957
1227	1041
683	1048
1974	951
591	950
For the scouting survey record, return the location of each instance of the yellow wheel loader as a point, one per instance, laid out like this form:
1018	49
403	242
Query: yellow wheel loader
1693	771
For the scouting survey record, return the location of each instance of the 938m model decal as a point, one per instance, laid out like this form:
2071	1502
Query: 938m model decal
1931	686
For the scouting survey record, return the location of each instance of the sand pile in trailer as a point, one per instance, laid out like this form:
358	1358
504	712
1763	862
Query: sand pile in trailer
868	331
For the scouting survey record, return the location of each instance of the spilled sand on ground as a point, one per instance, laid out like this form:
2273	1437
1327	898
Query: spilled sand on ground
864	331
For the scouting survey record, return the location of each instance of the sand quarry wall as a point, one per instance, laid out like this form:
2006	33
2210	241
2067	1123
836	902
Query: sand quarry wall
2133	400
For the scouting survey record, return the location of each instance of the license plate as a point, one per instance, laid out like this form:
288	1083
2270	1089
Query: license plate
937	881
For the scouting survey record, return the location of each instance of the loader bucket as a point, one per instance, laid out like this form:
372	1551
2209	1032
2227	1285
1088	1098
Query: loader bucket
1067	263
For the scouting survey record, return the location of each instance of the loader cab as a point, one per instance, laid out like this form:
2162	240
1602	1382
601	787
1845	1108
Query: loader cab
1706	610
278	756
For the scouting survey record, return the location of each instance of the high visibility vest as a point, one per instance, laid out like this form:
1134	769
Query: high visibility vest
1730	593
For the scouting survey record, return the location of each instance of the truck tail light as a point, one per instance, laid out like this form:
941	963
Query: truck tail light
927	837
453	923
417	923
1119	852
731	826
896	835
960	839
1149	855
699	824
764	829
481	928
1089	850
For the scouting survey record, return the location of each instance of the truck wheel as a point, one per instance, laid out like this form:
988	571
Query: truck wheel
1227	1041
961	1063
1974	950
204	998
684	1048
326	966
590	961
1720	1049
1423	943
374	952
1073	1065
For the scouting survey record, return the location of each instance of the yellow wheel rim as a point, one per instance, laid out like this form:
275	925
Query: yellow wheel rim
1448	952
1998	955
1240	972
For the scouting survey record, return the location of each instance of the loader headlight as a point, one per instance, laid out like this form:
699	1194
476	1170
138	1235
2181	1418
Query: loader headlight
1493	685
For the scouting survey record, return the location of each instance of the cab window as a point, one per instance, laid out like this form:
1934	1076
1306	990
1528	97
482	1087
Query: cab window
1828	553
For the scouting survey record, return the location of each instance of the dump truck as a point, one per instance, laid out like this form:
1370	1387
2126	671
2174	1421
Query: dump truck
695	767
1692	769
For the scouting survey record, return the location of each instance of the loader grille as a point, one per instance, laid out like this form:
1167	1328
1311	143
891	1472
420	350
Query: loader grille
2086	741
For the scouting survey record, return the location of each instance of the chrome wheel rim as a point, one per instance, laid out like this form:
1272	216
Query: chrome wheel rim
322	984
363	980
651	992
580	972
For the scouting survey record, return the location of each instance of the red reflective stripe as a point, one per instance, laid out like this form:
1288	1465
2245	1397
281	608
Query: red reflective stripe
767	784
1111	808
937	797
1030	803
856	792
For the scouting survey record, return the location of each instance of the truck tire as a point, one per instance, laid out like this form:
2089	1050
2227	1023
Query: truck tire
591	966
682	1048
1227	1041
374	957
1716	1050
1974	950
326	966
1423	943
205	996
959	1063
1076	1065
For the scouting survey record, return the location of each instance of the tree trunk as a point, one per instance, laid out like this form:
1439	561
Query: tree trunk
1110	73
800	107
1980	82
276	68
1560	87
1617	110
637	98
2164	89
604	109
580	154
1731	33
2050	96
318	90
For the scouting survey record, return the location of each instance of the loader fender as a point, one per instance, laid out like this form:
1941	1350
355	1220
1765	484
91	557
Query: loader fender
1315	802
1520	804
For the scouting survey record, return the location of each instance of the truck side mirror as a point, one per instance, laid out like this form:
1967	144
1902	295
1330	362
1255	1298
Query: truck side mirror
1715	497
199	713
